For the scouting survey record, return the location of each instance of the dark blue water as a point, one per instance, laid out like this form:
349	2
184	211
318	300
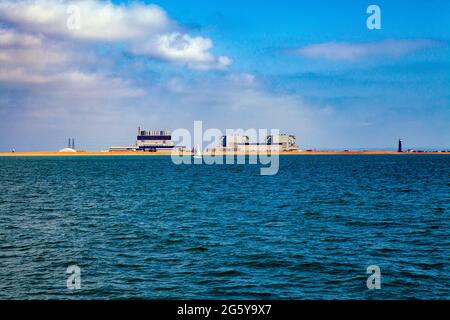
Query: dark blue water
141	227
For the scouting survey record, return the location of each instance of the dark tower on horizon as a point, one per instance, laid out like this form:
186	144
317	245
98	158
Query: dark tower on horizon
400	148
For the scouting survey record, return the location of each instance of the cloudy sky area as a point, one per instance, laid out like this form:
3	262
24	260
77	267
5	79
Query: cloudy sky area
308	68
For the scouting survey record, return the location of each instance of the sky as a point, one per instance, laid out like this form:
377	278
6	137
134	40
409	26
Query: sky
309	68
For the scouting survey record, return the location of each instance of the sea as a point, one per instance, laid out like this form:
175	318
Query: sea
141	227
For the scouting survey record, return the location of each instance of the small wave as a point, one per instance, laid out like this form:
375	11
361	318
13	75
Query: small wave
312	213
197	249
284	205
249	294
387	250
404	190
172	241
135	280
267	263
309	266
231	272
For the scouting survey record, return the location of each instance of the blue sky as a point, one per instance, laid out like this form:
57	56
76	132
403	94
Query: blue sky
311	68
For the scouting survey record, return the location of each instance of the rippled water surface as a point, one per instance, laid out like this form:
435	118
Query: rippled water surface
142	227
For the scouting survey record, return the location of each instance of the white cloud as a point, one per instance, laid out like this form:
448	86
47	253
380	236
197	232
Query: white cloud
23	49
177	47
354	51
72	83
144	28
12	38
100	21
246	79
28	60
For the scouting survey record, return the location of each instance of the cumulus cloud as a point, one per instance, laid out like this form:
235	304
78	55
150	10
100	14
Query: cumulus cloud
245	79
12	38
347	51
26	58
99	21
33	51
71	83
177	47
145	29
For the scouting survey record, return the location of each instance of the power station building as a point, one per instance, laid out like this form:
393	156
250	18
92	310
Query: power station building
272	143
151	141
161	141
287	142
154	140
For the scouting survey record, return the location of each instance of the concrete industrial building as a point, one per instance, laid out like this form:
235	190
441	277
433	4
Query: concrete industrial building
272	143
152	141
161	141
288	142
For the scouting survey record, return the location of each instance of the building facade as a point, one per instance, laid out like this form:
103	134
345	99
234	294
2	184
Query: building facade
287	142
272	143
154	140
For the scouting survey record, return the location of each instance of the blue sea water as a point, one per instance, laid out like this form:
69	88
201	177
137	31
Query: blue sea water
142	227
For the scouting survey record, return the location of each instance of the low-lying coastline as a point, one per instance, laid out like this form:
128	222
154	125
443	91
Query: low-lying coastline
140	153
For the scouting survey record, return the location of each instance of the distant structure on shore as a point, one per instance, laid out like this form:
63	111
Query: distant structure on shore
154	140
400	147
161	141
241	143
71	143
151	141
70	146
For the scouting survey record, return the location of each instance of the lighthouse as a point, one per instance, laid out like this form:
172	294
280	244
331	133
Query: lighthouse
400	149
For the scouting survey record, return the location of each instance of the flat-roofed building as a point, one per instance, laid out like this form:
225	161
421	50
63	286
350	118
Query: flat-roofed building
233	140
287	142
154	140
272	143
122	148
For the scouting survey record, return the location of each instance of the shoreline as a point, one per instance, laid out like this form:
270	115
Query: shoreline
137	153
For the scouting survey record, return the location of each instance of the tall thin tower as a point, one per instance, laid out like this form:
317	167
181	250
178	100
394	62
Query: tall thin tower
400	148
